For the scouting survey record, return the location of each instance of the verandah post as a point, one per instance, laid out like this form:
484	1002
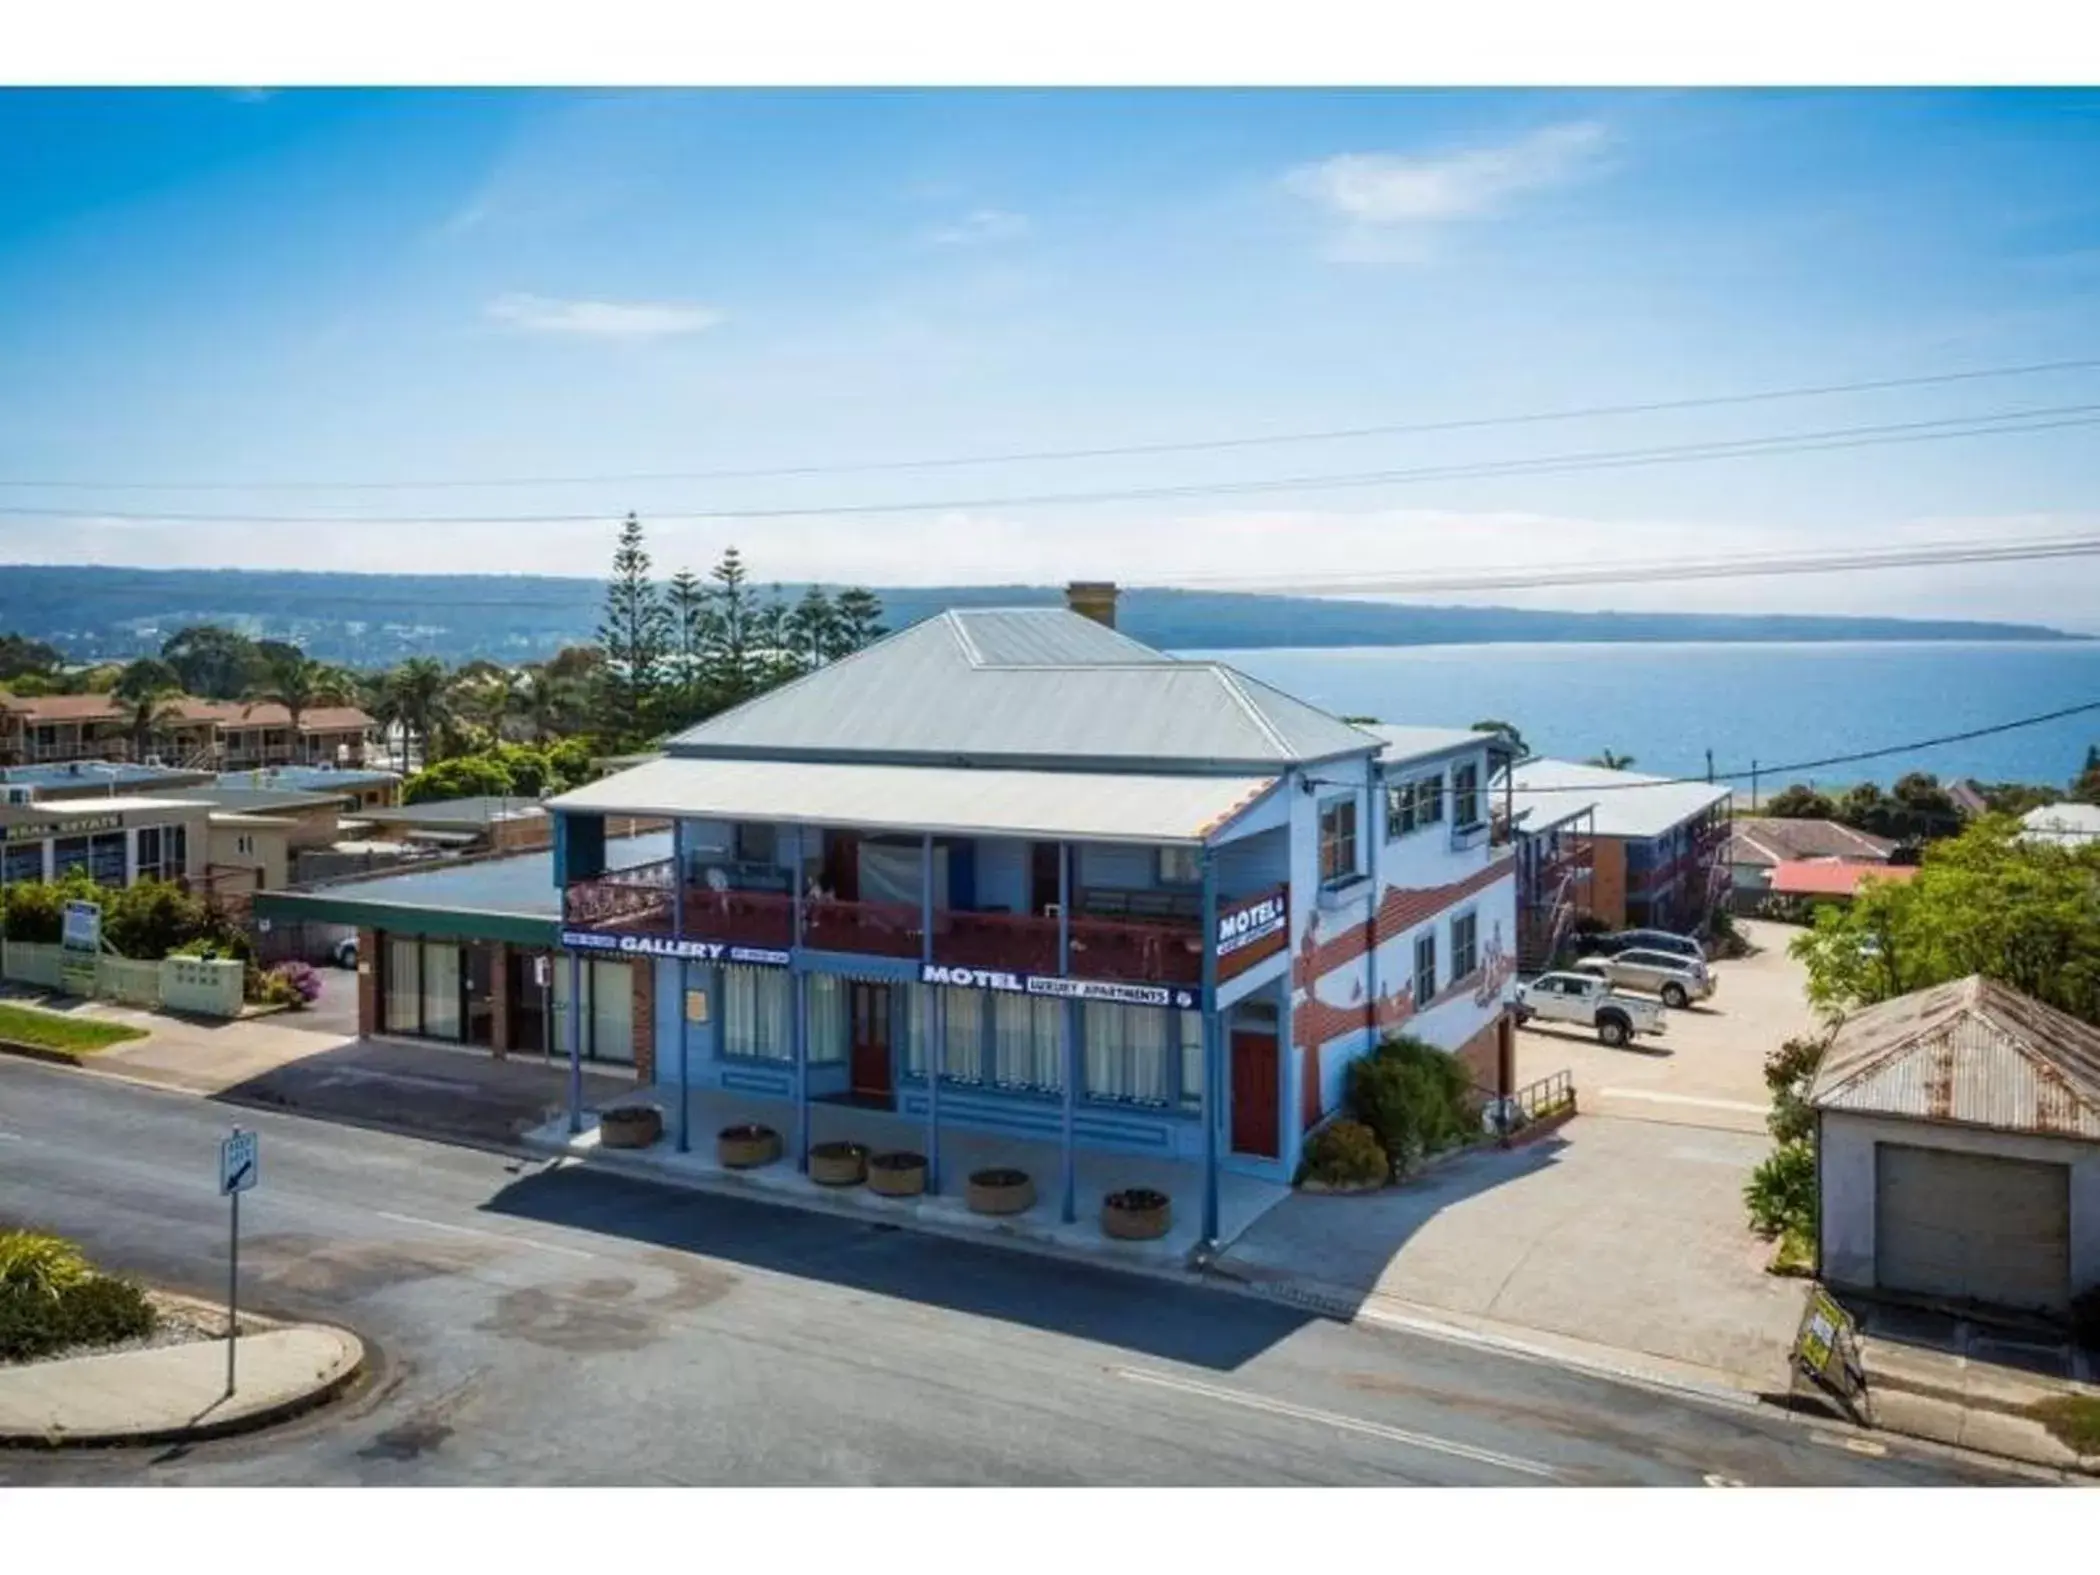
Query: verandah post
575	1044
933	1020
1068	1019
1212	1105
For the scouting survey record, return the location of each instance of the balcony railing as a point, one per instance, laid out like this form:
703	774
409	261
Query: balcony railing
881	929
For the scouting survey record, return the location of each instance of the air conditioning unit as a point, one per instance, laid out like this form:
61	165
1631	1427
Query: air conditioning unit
17	793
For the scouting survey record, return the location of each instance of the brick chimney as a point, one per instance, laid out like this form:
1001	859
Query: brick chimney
1095	599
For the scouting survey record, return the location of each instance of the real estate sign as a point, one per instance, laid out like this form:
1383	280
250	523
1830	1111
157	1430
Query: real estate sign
81	938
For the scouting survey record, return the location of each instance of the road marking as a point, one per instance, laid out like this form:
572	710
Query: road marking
1715	1479
1680	1099
1858	1446
492	1235
1347	1424
12	1137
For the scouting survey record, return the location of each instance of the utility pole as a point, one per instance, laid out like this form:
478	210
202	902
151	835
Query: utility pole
1709	765
1753	787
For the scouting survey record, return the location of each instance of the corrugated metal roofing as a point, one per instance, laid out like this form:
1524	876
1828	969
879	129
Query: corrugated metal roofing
2067	825
1063	691
1771	839
1625	803
1973	1052
954	801
1409	743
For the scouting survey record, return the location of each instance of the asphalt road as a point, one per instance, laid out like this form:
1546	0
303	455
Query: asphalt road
559	1326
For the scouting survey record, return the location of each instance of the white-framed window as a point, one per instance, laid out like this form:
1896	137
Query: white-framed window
244	845
962	1032
1028	1042
1465	944
1425	968
828	1036
1142	1054
755	1007
1338	841
1180	867
1465	795
1409	806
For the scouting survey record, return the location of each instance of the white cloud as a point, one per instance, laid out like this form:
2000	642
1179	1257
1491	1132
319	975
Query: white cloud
539	314
981	227
1407	189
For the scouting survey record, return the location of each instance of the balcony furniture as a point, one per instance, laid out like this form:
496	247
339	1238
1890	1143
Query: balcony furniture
898	1174
630	1126
1000	1191
838	1164
1136	1214
747	1147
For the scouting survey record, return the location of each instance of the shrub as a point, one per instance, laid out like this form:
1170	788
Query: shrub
1781	1192
1344	1154
51	1299
1415	1099
35	1265
303	981
102	1309
1787	1073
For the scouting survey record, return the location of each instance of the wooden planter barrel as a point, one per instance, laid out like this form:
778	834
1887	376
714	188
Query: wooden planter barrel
630	1126
1137	1214
1001	1191
900	1174
838	1164
746	1147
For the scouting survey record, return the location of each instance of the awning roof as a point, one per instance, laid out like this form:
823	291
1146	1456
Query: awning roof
951	801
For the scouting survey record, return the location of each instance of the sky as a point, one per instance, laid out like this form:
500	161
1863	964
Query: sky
214	302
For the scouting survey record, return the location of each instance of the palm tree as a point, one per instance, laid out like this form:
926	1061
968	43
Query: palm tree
422	701
482	693
300	684
545	701
148	691
1612	762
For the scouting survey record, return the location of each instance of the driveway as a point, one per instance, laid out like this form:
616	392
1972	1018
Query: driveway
1707	1067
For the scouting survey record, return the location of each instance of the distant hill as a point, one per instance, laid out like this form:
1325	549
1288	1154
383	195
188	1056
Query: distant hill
374	619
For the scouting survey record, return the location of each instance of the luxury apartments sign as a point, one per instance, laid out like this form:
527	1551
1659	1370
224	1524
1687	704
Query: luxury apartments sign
1180	997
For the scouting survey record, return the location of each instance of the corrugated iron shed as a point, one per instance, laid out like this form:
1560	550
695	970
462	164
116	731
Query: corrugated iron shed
1974	1053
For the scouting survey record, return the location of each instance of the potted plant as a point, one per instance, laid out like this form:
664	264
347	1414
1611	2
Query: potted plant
746	1146
1136	1214
1000	1190
838	1164
897	1174
629	1126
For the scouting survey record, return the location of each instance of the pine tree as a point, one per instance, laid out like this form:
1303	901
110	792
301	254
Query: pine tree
731	665
686	599
815	628
859	613
636	638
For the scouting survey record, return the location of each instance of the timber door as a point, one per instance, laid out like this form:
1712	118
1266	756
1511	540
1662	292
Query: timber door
1254	1079
869	1006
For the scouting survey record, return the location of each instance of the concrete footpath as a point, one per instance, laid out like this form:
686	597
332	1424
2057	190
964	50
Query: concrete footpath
171	1393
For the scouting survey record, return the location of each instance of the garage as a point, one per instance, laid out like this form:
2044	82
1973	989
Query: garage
1972	1227
1957	1149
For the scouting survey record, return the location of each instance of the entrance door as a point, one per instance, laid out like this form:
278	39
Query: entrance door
1254	1068
1042	876
480	984
528	1003
870	1065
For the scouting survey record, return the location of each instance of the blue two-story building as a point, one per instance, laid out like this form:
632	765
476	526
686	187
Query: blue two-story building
1011	871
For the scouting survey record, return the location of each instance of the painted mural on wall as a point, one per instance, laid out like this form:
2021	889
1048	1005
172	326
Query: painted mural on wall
1333	958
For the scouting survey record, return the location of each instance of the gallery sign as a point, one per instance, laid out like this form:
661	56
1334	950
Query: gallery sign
1252	929
1180	997
675	950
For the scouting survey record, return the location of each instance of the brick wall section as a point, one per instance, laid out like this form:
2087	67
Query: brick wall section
644	1020
1608	882
499	999
1481	1056
368	944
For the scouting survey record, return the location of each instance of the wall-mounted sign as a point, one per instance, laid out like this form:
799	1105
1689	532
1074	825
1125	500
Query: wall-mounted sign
1179	997
1252	929
677	950
71	826
26	831
696	1006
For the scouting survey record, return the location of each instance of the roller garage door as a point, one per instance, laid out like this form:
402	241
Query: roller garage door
1972	1227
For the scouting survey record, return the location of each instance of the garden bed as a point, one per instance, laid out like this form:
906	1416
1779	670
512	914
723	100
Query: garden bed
178	1320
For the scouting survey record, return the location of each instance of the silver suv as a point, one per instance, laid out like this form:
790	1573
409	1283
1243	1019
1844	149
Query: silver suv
1678	980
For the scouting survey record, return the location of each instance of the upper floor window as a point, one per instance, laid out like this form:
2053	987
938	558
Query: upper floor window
1465	945
1409	806
1425	968
1338	841
1180	867
1465	795
756	842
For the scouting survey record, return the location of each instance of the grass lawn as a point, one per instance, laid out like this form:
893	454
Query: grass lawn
63	1038
2074	1419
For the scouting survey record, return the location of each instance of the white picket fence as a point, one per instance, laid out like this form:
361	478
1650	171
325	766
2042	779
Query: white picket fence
182	984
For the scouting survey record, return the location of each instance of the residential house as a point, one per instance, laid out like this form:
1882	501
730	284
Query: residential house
1760	844
190	734
1958	1150
2062	825
43	729
1967	794
1013	872
246	737
1655	845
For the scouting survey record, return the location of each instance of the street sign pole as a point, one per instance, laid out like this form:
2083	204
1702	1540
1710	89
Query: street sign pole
239	1157
233	1289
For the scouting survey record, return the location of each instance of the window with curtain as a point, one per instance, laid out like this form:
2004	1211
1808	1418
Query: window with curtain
1028	1042
1191	1058
1465	796
612	1011
1132	1053
829	1039
1425	968
403	1008
755	1014
962	1041
440	991
1180	867
1409	806
1338	841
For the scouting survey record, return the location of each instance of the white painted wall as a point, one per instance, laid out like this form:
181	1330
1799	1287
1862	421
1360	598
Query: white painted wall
1845	1162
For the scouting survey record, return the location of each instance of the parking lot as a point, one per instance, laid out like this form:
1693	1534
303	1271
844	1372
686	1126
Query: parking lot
1707	1067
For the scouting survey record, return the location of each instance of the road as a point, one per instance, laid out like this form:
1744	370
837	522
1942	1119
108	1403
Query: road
540	1325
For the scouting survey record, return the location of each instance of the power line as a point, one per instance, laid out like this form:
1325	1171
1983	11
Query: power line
1817	765
1114	451
1749	567
1994	424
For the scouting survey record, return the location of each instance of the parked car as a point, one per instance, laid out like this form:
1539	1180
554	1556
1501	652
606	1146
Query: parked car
1678	980
1646	940
345	953
1588	1000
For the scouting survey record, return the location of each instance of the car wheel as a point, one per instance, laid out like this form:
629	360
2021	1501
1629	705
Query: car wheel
1612	1031
1674	996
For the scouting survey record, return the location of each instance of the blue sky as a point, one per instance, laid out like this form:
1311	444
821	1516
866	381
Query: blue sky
305	286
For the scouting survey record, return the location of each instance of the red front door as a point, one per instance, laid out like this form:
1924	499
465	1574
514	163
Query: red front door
1254	1068
870	1065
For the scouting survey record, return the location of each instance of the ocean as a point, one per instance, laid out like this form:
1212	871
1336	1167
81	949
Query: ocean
1666	705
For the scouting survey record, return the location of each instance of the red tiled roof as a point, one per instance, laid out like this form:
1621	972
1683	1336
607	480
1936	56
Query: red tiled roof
238	713
1833	877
